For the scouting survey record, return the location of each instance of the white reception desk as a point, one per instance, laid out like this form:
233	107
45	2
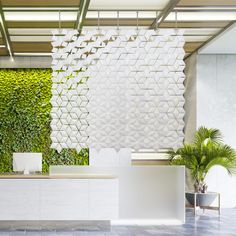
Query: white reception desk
122	195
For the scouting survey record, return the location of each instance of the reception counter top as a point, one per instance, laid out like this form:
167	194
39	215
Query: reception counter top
64	176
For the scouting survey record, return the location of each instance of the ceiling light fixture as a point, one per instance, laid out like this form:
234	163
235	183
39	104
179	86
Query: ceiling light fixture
32	54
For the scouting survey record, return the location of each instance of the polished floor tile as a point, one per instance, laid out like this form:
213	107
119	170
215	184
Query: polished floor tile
208	224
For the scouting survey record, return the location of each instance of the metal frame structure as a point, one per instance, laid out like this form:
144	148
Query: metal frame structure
161	17
4	32
82	14
17	41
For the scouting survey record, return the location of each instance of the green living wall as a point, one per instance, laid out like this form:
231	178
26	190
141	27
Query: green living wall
25	119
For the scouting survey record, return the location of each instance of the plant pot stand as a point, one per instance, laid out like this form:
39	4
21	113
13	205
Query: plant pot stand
203	201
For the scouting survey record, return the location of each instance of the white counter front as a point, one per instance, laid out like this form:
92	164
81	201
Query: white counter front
58	198
147	194
122	195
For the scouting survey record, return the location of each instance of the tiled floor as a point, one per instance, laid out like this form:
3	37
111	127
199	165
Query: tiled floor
203	225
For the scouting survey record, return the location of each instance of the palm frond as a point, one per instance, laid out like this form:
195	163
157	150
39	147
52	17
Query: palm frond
222	155
206	151
204	134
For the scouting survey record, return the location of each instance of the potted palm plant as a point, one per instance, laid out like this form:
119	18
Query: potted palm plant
206	151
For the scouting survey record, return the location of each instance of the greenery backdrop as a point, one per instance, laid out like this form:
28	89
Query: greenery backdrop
25	119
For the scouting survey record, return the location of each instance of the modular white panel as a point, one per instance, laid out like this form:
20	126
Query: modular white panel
109	157
118	89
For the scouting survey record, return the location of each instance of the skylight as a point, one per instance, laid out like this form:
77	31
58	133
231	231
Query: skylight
40	16
202	16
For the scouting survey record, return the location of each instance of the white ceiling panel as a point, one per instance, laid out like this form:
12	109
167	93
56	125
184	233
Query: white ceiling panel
128	4
222	44
200	31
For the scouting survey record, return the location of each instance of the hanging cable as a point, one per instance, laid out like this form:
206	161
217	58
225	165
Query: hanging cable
137	12
176	21
59	20
98	20
118	22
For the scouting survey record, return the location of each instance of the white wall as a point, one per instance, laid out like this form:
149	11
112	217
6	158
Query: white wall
190	98
216	107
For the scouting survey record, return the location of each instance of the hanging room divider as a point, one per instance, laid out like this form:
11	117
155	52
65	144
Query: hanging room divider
118	89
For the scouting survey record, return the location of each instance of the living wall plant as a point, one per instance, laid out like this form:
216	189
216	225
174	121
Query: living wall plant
25	119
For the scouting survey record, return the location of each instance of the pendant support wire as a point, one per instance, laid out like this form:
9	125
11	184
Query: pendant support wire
137	22
176	22
118	22
59	23
98	20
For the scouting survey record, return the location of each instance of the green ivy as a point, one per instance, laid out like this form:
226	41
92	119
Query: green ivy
25	119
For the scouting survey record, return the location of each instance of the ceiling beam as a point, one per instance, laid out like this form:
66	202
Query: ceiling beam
4	32
84	4
161	17
211	38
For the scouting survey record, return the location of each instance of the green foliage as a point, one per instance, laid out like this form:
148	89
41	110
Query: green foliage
25	119
206	151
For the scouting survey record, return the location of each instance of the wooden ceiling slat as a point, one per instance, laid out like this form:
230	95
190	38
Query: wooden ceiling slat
188	24
192	46
41	3
3	52
47	47
29	24
32	47
207	3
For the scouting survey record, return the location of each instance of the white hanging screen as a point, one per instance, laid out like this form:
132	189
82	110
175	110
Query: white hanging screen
118	89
